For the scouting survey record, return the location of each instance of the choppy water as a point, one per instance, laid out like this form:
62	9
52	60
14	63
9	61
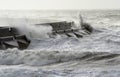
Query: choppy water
95	55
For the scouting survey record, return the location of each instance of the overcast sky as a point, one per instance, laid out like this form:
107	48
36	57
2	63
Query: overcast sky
58	4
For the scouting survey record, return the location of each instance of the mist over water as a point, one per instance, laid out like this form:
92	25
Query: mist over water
91	56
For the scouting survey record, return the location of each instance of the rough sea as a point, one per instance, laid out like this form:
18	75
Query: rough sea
95	55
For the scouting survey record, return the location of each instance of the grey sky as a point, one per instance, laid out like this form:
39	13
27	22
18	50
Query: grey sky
58	4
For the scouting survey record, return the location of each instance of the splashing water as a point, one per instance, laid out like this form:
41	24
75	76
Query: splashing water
95	55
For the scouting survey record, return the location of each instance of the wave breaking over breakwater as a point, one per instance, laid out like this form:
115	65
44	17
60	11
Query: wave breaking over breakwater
95	55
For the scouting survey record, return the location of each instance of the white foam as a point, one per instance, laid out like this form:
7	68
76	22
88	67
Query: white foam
63	56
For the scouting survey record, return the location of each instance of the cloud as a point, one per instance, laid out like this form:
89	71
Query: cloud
58	4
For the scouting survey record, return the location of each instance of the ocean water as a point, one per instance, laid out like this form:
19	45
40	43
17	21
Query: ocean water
95	55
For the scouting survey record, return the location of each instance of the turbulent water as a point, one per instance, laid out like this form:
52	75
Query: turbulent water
95	55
